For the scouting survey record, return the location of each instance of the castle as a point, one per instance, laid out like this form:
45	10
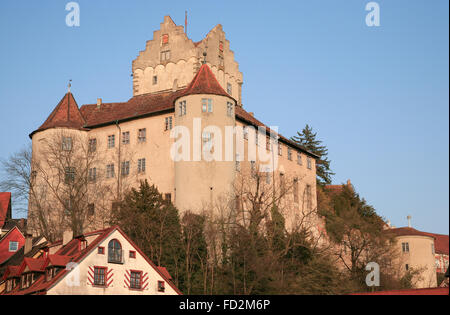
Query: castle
176	83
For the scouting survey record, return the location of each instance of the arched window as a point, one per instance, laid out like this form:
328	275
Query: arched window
114	252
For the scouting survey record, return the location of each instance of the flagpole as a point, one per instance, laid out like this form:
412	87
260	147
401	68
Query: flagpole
185	22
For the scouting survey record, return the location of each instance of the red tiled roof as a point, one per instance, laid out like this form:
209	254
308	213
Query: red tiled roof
441	243
407	231
33	264
137	106
57	260
66	114
205	82
5	201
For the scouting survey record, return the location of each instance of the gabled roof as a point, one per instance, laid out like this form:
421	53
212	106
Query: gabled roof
66	115
32	264
205	82
5	205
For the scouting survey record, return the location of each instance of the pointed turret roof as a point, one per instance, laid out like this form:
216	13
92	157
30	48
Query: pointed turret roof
66	115
205	82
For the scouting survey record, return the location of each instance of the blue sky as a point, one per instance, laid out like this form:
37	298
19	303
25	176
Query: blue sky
377	96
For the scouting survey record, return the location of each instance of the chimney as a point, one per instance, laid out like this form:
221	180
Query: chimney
67	237
409	220
252	114
28	244
99	102
349	183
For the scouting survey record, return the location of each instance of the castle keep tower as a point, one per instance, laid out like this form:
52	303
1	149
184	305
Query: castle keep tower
199	182
171	60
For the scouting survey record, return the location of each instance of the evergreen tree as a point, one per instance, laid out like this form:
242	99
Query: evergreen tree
307	139
154	225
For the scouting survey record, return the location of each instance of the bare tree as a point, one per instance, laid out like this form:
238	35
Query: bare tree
64	183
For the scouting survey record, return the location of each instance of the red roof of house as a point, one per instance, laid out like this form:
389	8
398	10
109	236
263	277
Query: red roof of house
441	243
71	252
205	82
66	114
408	231
431	291
5	202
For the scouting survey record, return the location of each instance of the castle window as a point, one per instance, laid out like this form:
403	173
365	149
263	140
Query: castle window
309	163
69	175
13	246
110	171
207	105
221	46
99	276
132	254
280	150
221	61
92	145
101	250
182	106
246	132
135	280
295	190
161	286
91	209
126	137
267	176
141	166
165	39
111	141
230	109
168	197
253	167
299	159
155	80
67	144
92	174
268	146
290	154
229	88
238	162
405	247
125	171
165	55
142	135
207	141
308	197
169	123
